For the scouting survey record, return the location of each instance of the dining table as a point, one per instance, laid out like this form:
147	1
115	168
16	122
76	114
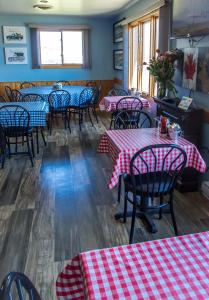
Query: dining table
44	91
121	145
109	103
175	268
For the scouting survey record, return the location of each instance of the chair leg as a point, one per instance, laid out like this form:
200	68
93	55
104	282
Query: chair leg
3	159
119	188
160	209
43	137
111	122
50	124
68	121
29	151
37	140
173	215
9	147
125	207
95	113
32	146
80	118
133	220
92	124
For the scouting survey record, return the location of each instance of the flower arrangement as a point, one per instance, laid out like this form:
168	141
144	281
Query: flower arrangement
162	68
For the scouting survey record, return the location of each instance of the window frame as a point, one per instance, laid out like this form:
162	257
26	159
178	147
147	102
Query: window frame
63	65
152	17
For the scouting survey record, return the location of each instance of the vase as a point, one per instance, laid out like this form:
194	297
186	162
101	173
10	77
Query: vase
161	90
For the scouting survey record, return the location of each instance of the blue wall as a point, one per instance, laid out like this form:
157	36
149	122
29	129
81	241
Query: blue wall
101	50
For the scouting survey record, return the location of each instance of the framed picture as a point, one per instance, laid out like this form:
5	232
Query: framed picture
16	56
118	32
190	68
118	59
14	34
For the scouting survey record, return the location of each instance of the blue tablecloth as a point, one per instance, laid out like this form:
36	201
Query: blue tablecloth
37	111
44	91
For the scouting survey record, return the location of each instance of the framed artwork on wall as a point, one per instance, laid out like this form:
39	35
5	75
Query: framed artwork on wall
14	34
118	59
190	68
16	56
118	32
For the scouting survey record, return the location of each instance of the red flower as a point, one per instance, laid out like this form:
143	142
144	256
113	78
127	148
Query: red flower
190	66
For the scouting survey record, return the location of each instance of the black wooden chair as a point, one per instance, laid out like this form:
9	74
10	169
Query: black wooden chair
148	190
32	98
8	92
2	146
26	84
126	103
85	103
131	119
2	99
63	82
15	121
17	286
59	103
16	96
117	92
95	101
35	98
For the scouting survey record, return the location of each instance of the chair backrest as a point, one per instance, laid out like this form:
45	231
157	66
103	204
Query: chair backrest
8	92
17	286
14	117
2	99
59	99
129	119
97	93
118	92
129	103
91	83
86	96
63	82
16	96
157	168
26	84
32	98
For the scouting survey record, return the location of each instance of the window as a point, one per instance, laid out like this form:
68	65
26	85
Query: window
60	48
143	42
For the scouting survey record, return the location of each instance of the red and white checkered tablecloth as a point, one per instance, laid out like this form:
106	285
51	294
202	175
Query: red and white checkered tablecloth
109	103
175	268
123	144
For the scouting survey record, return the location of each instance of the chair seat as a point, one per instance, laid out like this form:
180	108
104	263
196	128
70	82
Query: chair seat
146	189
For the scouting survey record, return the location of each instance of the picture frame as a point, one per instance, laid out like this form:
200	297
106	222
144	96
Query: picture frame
118	31
14	34
118	59
16	56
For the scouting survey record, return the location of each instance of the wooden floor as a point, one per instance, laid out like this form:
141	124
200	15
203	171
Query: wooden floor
62	206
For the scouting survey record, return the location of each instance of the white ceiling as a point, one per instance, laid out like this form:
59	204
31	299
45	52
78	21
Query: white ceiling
66	7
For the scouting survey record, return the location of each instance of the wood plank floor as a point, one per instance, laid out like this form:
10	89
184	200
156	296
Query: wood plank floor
62	206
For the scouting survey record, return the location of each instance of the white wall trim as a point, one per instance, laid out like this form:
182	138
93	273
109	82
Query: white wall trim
144	12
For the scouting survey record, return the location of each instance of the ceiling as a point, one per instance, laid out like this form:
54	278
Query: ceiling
66	7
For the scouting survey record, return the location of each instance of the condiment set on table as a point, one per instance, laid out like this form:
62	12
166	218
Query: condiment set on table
172	130
57	86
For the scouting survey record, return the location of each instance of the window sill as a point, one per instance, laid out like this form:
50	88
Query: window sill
70	66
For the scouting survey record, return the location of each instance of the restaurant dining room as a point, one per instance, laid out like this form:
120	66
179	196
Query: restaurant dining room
104	149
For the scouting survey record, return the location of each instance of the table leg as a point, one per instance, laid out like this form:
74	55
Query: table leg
145	216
